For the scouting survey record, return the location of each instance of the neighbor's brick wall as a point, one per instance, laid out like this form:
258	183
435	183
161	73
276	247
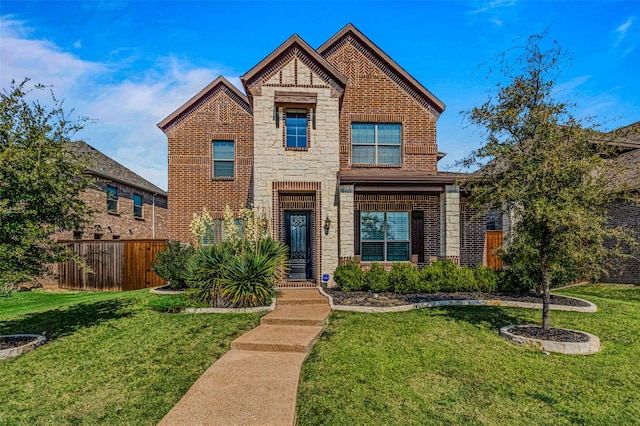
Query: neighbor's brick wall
123	224
372	96
628	214
191	183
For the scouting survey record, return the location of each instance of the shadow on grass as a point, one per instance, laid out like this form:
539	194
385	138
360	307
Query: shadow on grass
57	323
494	316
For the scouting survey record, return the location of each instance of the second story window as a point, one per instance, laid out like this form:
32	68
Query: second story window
112	199
376	143
296	128
223	159
137	205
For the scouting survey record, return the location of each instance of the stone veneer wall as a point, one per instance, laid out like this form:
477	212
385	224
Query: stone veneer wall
274	164
450	223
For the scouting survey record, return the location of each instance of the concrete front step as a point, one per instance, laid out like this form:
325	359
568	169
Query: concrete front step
300	297
309	315
278	338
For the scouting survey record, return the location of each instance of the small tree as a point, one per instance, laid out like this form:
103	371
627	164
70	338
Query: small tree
40	184
548	169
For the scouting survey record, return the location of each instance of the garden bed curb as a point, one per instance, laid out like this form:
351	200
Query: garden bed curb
438	303
573	348
158	290
13	352
230	310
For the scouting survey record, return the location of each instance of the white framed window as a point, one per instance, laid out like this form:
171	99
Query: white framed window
376	143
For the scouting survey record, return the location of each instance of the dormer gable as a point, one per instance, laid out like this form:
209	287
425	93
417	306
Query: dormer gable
218	85
360	43
293	64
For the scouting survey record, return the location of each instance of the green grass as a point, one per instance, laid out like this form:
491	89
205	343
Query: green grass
110	360
449	366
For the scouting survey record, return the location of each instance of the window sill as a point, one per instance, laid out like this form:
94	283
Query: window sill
295	149
375	166
112	213
139	218
222	179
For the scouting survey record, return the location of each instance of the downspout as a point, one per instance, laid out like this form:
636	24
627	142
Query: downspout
153	215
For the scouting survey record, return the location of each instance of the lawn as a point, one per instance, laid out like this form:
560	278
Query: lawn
110	359
449	366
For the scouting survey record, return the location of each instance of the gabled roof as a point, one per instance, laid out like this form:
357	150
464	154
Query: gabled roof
350	29
106	168
291	42
200	97
627	168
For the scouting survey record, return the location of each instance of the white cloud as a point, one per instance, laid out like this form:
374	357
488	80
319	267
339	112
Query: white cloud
497	21
626	36
127	110
622	29
565	89
487	6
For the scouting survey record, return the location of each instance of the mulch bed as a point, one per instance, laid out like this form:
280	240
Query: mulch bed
9	342
553	334
364	298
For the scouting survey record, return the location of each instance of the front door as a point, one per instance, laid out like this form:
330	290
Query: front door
298	239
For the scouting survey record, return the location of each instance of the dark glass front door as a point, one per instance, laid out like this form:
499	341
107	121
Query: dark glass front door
298	239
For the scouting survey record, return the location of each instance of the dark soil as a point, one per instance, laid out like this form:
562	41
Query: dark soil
553	334
364	298
8	342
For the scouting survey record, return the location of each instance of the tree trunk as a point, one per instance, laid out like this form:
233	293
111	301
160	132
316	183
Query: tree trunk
546	299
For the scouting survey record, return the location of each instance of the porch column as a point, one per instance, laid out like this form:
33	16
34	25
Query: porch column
450	223
345	213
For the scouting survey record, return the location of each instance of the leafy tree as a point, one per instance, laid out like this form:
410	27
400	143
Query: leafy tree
40	184
548	169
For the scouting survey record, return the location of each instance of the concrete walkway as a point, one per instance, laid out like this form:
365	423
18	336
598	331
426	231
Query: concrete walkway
256	382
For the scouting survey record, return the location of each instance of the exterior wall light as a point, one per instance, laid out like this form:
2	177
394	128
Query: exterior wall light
327	225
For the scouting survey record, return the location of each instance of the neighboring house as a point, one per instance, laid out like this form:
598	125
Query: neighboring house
126	205
338	145
627	166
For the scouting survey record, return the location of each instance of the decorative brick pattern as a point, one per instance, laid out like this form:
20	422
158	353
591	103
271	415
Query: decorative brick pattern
376	94
221	115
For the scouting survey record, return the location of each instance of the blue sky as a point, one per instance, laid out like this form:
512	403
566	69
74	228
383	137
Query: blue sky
129	64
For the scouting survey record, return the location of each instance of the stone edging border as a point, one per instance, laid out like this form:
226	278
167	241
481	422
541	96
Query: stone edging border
156	290
573	348
510	303
13	352
230	310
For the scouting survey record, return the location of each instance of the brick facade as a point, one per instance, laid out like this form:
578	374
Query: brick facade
221	115
627	271
121	223
347	80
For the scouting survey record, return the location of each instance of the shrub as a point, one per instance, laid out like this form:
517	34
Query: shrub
249	280
487	278
171	264
431	279
517	278
349	276
376	279
404	278
446	271
205	271
465	279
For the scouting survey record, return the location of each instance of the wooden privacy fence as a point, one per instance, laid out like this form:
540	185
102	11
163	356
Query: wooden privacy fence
117	265
494	243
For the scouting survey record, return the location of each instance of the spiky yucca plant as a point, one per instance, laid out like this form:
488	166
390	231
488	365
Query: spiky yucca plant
205	271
